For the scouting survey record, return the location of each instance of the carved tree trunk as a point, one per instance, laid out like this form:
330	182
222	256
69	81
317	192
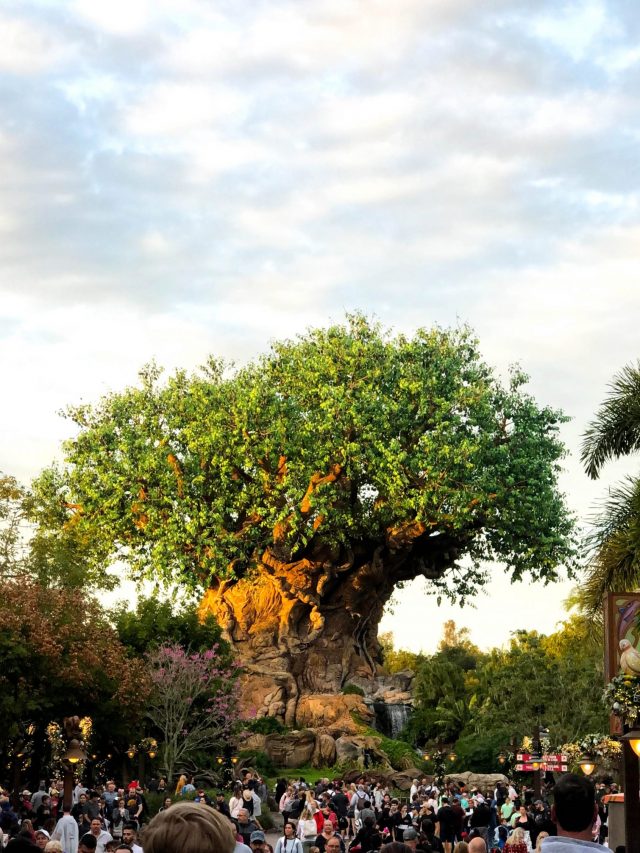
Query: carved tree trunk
311	626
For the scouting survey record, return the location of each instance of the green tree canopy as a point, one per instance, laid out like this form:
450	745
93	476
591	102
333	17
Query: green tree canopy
345	438
155	622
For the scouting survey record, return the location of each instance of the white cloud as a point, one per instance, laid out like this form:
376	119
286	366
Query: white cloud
185	178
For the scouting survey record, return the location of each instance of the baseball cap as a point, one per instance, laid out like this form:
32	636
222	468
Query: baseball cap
256	836
42	832
409	834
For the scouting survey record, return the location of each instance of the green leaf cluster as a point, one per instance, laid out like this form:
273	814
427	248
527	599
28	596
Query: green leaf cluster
330	441
465	696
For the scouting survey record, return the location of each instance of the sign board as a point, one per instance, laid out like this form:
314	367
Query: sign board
622	640
545	767
550	758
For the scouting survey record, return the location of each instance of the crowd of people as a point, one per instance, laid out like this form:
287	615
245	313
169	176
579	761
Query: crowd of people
331	816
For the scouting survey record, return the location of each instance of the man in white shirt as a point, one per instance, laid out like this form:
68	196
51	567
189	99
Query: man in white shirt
66	832
101	835
129	837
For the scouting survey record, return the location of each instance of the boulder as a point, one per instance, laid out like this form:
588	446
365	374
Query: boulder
255	742
350	749
324	754
333	711
403	779
293	749
483	781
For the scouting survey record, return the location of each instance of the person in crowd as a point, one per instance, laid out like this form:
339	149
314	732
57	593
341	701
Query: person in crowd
257	841
246	825
516	842
307	829
130	835
236	802
367	837
166	803
189	828
574	812
42	838
323	838
119	816
100	834
446	825
87	843
288	843
67	831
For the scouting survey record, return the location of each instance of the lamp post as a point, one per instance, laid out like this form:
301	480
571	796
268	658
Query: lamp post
74	754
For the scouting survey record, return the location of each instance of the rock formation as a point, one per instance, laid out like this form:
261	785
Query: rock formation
309	627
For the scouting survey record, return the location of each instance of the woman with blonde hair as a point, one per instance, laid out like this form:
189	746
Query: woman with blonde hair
189	828
516	842
182	781
461	847
307	829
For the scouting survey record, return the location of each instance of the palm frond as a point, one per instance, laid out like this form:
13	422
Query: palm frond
615	431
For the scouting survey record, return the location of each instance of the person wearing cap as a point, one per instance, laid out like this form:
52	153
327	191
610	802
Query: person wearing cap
42	837
257	841
410	838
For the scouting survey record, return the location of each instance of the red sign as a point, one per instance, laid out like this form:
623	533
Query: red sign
551	758
544	767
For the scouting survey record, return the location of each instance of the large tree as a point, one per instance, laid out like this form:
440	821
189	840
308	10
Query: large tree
300	490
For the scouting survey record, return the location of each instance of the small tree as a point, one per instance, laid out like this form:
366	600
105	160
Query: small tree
192	702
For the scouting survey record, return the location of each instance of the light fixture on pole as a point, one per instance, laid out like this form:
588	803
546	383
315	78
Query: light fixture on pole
426	756
536	762
75	753
501	758
587	764
452	756
633	737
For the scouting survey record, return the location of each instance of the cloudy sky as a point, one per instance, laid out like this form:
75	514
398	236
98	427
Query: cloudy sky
181	178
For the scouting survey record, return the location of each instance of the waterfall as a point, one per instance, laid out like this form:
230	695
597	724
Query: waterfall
391	718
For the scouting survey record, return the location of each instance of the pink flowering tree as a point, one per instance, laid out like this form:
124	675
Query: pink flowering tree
193	702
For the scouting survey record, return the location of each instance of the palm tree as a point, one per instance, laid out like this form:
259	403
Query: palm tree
614	542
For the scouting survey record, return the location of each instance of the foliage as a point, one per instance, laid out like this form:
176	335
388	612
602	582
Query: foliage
352	690
480	751
396	660
598	746
259	760
155	622
265	726
476	699
54	553
56	644
192	702
345	435
622	697
614	541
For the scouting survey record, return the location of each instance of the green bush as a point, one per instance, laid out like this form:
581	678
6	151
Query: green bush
259	760
352	689
265	726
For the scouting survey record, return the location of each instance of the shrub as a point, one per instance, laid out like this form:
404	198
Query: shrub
265	726
352	689
259	760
